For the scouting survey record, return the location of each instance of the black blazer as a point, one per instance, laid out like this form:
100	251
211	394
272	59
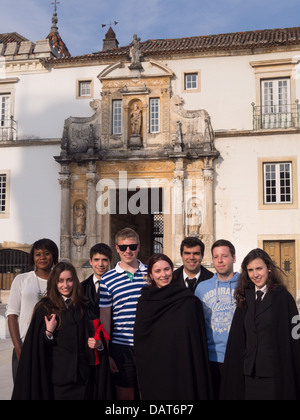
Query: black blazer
89	292
205	275
259	359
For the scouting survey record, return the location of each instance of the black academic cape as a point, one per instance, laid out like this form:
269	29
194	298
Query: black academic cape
100	382
35	375
170	345
286	348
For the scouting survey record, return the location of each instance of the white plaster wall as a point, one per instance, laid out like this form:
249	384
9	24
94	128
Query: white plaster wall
44	101
227	87
238	217
34	194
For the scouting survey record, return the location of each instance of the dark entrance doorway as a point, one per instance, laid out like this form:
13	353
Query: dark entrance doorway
144	214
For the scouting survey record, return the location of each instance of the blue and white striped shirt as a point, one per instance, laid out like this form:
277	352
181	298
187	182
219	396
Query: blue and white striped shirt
121	293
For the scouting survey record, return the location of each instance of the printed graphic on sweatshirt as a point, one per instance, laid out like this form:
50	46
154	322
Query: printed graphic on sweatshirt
219	309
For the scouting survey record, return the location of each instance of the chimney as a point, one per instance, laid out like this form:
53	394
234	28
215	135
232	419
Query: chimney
110	41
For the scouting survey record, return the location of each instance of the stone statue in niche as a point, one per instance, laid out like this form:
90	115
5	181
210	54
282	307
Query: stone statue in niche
194	218
135	115
135	54
136	120
79	218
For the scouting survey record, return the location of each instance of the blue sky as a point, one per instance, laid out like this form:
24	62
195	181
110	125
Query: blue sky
80	21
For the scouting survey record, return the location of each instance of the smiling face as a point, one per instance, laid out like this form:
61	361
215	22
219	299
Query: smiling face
223	262
43	259
100	264
258	272
128	256
65	283
192	258
162	273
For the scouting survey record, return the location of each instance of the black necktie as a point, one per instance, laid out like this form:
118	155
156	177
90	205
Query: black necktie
68	302
191	283
259	295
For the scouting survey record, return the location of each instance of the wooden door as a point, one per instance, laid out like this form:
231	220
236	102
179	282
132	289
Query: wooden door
283	253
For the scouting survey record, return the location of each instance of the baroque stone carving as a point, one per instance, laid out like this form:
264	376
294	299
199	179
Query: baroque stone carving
135	54
82	135
192	129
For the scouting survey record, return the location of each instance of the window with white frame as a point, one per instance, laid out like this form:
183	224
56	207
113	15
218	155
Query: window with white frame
278	183
4	110
117	117
276	107
3	193
190	81
154	115
85	88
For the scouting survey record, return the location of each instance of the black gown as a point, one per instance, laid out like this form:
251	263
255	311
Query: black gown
170	345
285	347
58	368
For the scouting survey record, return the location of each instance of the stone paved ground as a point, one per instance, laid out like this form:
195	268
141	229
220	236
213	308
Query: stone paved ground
6	382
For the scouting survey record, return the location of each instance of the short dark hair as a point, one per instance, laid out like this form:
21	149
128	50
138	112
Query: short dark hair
190	242
224	242
47	244
102	249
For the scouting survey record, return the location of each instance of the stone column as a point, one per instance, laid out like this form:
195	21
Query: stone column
91	221
178	215
65	218
209	208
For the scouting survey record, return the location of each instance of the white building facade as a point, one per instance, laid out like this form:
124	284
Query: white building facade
219	117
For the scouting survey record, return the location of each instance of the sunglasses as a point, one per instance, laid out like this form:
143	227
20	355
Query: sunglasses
132	247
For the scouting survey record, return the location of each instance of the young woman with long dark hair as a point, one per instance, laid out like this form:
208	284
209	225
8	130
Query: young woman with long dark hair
262	360
57	352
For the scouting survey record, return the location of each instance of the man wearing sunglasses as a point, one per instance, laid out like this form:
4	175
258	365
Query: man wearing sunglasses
120	289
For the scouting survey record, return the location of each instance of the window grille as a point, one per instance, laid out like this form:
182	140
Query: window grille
12	263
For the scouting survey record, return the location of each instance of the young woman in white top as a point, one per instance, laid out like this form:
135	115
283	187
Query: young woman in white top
26	291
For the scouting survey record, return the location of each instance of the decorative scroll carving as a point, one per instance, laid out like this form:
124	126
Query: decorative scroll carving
192	128
82	135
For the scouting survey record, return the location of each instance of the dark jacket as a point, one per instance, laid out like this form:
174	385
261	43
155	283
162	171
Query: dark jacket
205	275
89	291
170	345
46	363
279	345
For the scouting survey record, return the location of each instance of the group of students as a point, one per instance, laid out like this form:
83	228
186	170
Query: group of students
163	334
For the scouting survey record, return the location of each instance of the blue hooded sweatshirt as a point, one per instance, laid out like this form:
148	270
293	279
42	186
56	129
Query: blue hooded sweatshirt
219	307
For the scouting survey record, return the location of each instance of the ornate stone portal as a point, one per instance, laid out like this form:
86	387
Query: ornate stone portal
109	179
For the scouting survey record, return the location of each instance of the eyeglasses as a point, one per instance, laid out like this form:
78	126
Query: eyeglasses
132	247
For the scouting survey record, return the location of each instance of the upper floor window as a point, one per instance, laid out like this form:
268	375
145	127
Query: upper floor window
84	89
117	117
190	81
278	183
154	115
4	193
276	104
4	110
3	189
